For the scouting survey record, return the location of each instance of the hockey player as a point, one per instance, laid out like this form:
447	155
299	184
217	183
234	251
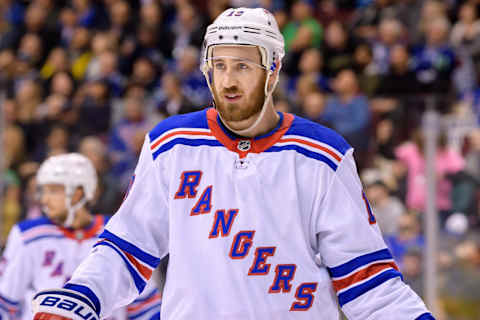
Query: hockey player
43	253
262	213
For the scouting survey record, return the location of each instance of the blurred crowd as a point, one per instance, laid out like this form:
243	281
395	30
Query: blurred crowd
94	76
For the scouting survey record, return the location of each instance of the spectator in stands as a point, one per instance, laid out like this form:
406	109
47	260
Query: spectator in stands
303	31
68	22
170	99
466	31
310	64
122	146
338	49
447	162
412	269
63	83
57	61
395	96
57	142
193	82
189	28
101	42
80	50
365	68
434	61
146	74
389	34
120	19
313	105
387	208
306	84
94	109
347	111
409	237
7	71
109	191
87	15
472	157
31	47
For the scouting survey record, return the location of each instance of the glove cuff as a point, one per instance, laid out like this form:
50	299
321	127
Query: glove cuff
62	304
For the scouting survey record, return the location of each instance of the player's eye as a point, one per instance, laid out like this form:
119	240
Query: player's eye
219	66
243	66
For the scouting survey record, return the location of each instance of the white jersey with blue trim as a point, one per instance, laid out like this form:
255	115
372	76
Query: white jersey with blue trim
41	255
275	227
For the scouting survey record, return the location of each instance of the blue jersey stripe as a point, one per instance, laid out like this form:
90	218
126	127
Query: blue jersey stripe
305	152
360	289
353	264
197	120
187	142
87	292
137	279
143	312
32	223
315	131
425	316
57	236
130	248
10	303
151	294
156	316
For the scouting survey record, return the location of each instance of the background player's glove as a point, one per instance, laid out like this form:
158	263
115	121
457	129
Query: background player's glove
62	304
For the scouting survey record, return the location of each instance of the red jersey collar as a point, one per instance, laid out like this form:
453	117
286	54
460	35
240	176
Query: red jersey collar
242	145
88	232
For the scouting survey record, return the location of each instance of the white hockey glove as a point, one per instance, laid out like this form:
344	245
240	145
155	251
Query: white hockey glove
62	304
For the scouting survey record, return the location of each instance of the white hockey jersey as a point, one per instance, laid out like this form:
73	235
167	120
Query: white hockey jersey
275	227
41	255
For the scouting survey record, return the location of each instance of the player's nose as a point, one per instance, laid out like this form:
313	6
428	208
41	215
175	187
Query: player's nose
229	80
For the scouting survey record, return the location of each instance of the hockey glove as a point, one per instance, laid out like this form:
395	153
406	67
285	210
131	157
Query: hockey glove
62	304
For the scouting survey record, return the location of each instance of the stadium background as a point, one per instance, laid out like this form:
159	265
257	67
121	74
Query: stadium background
94	76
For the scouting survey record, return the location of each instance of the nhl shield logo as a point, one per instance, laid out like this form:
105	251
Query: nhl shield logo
244	145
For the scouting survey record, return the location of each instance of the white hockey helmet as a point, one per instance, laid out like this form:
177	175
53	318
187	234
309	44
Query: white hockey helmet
71	170
245	26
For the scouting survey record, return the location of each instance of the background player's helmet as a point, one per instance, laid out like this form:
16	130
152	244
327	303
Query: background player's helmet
71	170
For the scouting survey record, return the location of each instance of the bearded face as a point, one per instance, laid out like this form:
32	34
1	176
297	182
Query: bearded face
238	82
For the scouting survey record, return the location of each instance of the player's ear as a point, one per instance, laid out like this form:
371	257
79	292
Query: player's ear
77	195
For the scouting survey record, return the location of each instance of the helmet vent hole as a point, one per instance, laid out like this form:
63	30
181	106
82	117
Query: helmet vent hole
220	37
235	37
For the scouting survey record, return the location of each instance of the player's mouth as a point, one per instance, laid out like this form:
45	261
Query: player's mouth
232	97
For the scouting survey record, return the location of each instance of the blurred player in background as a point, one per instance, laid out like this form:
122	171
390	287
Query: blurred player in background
43	253
262	213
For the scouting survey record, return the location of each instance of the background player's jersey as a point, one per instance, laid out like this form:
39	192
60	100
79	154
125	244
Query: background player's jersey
275	227
41	255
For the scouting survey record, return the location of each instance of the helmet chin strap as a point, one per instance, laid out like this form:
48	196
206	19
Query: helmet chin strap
258	121
72	209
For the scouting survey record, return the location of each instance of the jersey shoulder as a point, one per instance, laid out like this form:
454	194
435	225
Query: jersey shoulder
36	223
189	129
40	228
196	121
311	130
313	141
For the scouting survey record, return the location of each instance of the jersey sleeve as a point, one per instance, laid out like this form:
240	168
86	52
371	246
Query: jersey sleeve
147	305
364	275
135	239
16	274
